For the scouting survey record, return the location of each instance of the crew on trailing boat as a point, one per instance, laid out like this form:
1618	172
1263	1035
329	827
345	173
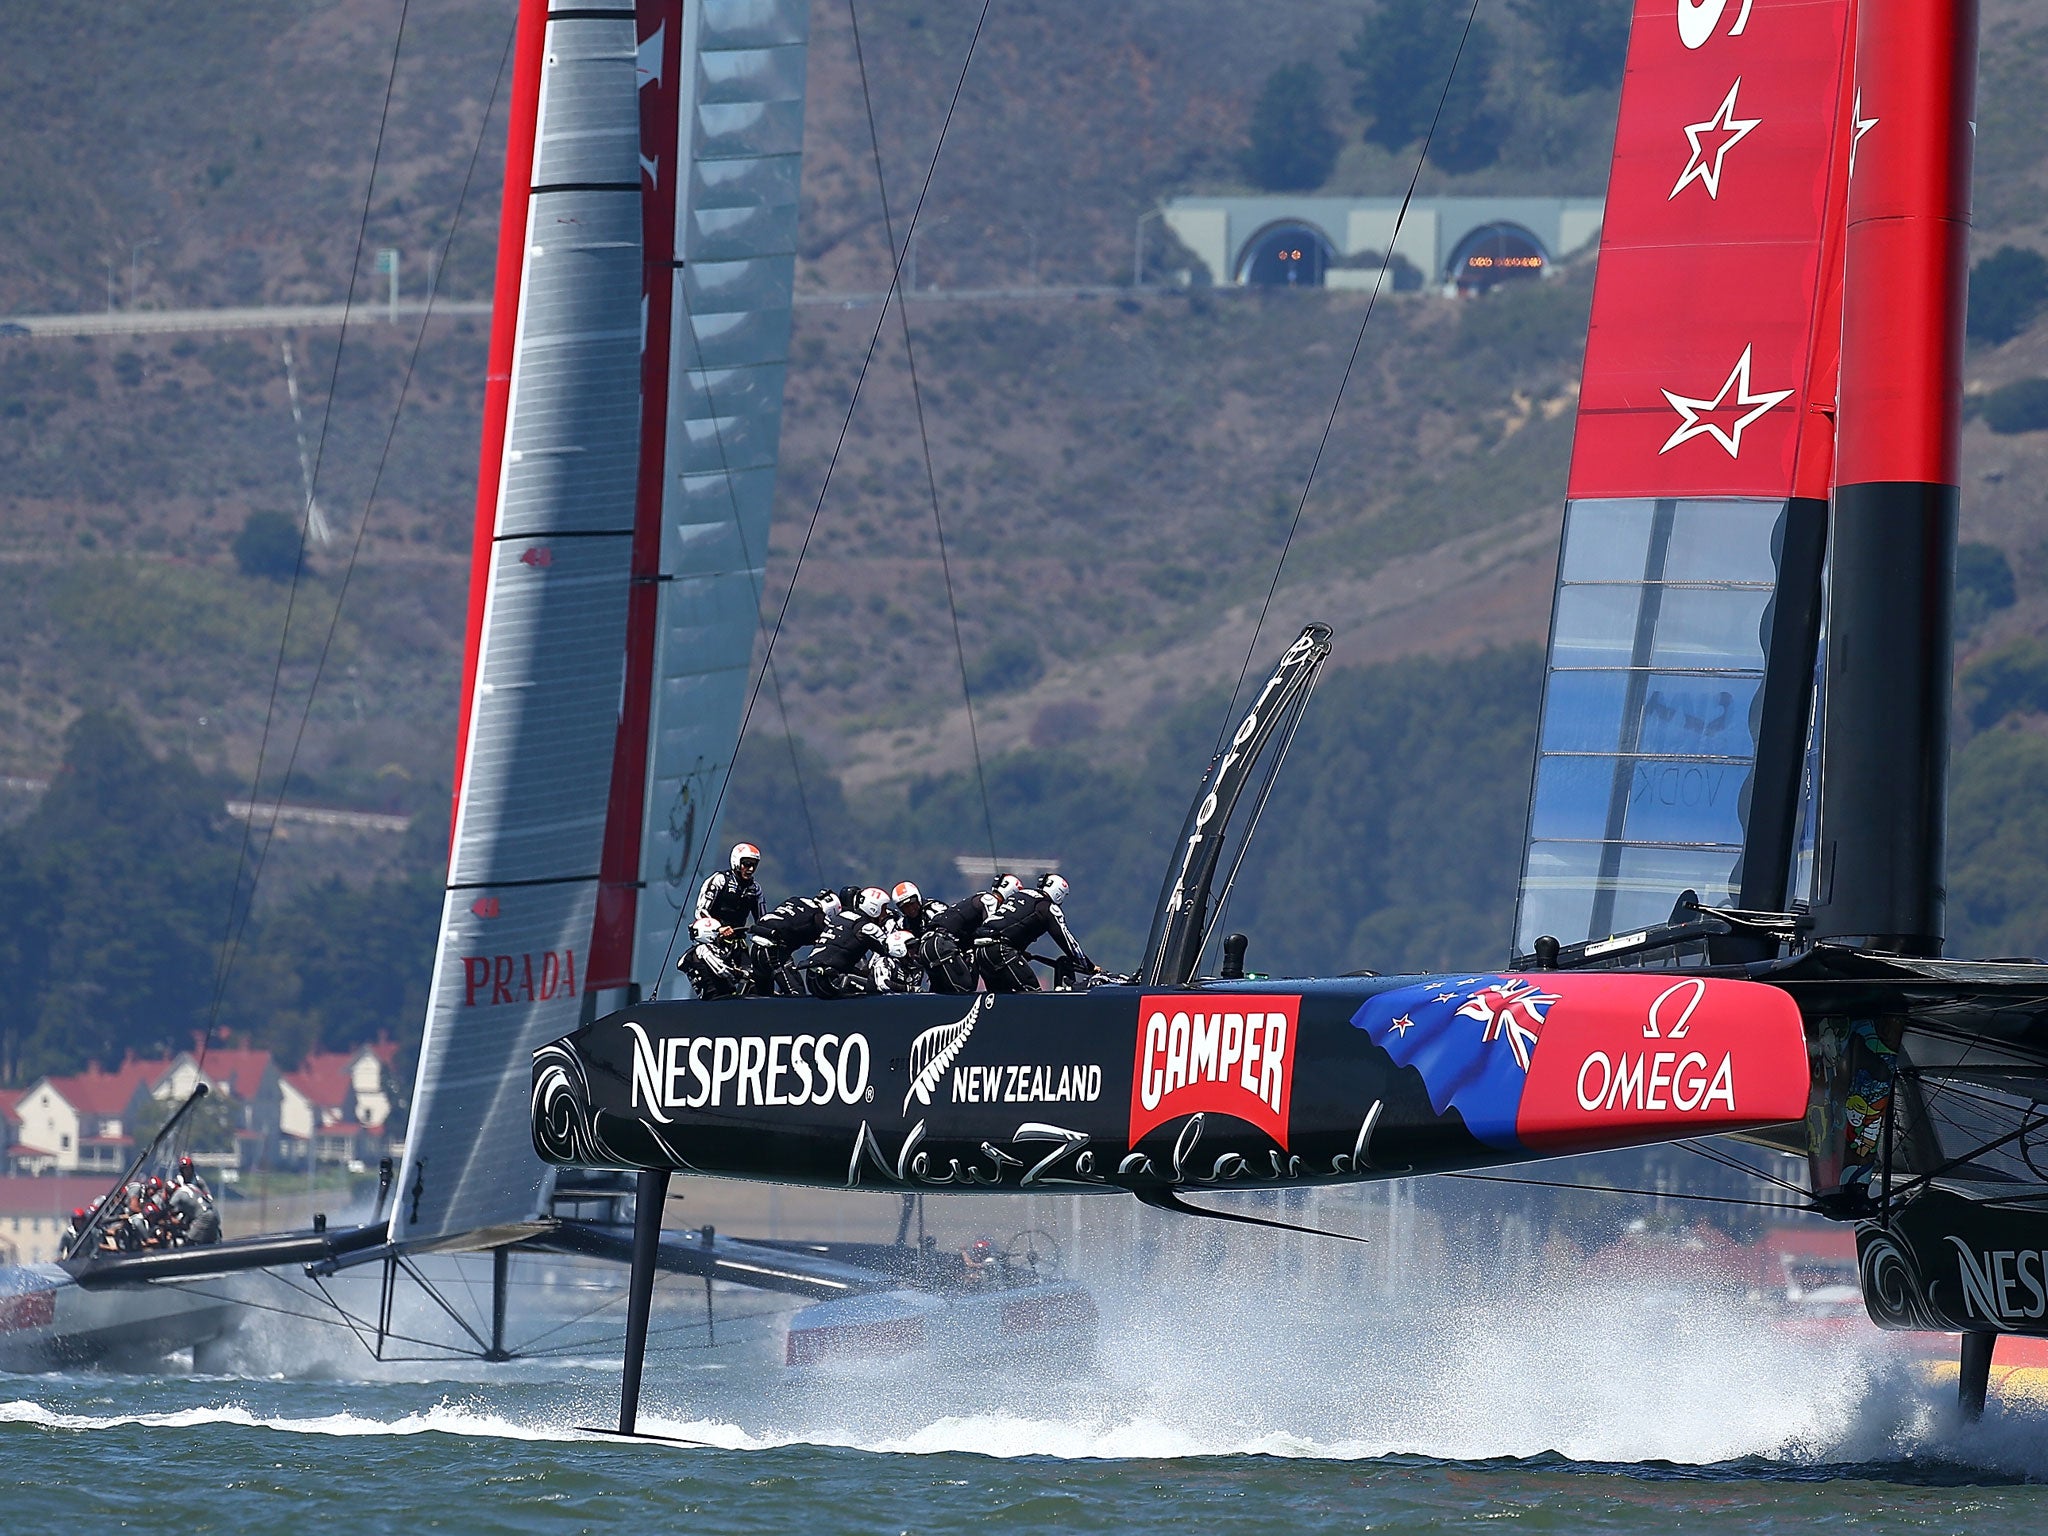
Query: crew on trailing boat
840	964
1001	949
981	1263
140	1230
732	895
717	962
188	1173
81	1218
193	1218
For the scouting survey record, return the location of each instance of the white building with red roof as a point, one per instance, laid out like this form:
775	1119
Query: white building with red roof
83	1123
248	1083
337	1106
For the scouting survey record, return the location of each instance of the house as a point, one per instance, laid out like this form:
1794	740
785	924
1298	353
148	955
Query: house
19	1159
83	1123
245	1080
336	1107
35	1212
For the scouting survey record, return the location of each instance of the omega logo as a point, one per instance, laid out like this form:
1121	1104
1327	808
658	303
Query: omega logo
1698	18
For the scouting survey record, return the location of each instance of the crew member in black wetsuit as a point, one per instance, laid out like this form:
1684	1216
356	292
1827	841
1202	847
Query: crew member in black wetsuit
717	965
774	940
1000	950
947	939
910	920
732	895
839	966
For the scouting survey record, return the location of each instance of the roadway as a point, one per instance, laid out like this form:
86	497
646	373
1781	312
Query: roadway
285	317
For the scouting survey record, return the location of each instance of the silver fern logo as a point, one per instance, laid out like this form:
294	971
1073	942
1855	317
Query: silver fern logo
932	1052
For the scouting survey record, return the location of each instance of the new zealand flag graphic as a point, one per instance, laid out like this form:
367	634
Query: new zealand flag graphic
1471	1038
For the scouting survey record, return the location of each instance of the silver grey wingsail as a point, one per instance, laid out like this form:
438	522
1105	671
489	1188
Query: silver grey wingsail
631	426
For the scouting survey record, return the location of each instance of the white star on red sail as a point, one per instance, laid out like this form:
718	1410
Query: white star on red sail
1694	414
1705	165
1862	125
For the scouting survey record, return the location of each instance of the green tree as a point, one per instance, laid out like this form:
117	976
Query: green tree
2010	680
1585	42
134	857
360	956
1403	56
2007	290
268	546
1293	148
24	953
210	1127
1984	584
1998	846
1010	665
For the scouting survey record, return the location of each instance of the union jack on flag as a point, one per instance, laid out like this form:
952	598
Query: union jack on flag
1427	1025
1512	1011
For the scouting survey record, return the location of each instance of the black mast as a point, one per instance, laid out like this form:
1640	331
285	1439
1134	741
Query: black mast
1882	830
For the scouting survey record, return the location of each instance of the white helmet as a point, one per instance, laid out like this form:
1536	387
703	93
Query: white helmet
905	891
745	856
872	901
899	944
1055	887
1007	886
828	903
705	929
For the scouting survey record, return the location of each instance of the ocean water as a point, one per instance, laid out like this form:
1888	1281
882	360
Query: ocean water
1220	1402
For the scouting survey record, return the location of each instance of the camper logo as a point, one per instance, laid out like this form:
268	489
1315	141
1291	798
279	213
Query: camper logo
1223	1055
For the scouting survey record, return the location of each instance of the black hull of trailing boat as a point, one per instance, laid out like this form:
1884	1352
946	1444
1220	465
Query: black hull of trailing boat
1257	1085
1949	1262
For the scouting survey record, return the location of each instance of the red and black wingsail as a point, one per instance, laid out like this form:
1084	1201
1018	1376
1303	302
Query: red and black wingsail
1683	637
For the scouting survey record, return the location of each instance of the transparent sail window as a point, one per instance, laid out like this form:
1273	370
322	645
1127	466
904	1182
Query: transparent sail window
1568	885
1652	696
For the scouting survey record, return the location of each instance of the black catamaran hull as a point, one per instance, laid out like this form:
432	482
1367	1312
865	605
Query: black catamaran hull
1236	1086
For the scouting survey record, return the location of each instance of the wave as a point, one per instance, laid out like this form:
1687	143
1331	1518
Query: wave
1227	1359
444	1418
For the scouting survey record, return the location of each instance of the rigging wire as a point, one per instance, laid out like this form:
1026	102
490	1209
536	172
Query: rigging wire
1350	365
231	938
845	427
1736	1165
924	440
796	770
232	943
